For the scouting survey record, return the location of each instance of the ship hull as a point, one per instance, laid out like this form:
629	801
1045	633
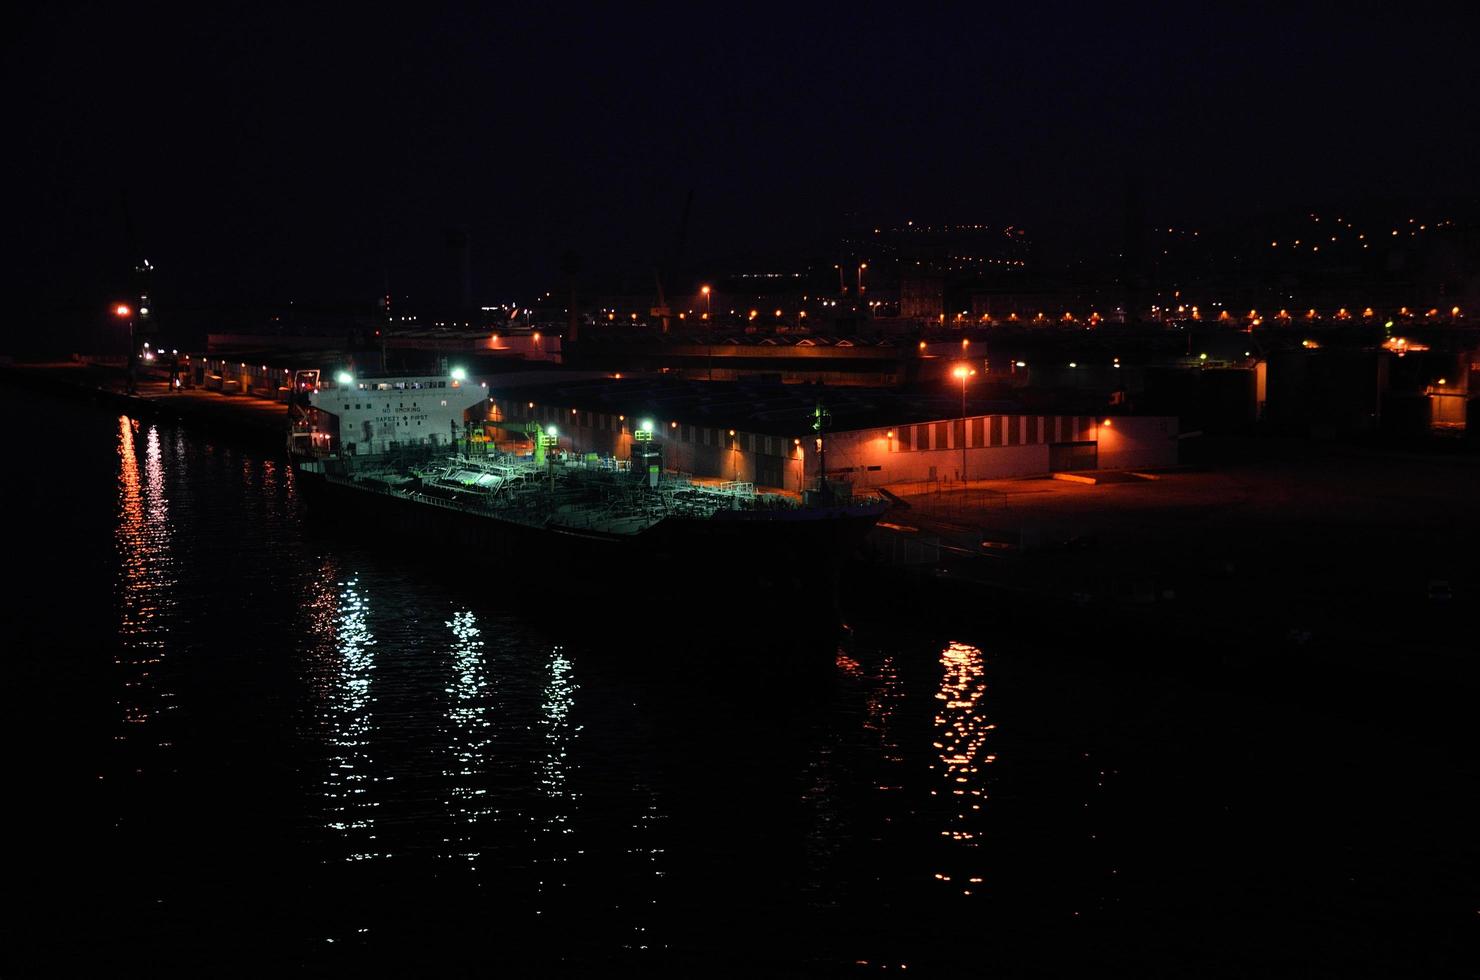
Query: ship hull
792	554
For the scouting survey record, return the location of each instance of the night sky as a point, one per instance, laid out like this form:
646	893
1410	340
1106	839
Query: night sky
271	154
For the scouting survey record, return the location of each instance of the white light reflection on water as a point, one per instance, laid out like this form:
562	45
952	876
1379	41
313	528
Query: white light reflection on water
145	588
471	736
648	833
961	733
347	714
553	770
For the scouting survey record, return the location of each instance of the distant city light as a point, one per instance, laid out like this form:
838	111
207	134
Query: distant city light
122	309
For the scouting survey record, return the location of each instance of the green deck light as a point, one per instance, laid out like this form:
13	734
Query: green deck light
458	374
344	378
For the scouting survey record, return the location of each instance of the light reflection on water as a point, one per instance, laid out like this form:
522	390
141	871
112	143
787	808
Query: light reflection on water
559	731
961	734
145	590
346	716
470	733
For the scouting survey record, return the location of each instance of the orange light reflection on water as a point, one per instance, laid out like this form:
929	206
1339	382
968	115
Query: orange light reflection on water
145	587
961	734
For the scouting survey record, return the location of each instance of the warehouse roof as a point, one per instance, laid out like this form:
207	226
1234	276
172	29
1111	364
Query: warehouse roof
754	405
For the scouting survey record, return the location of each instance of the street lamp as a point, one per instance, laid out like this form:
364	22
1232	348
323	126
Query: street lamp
963	372
861	267
707	306
124	312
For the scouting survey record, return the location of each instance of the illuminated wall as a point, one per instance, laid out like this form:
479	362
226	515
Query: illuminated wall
997	446
1138	442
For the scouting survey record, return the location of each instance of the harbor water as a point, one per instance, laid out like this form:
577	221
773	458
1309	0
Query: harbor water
241	744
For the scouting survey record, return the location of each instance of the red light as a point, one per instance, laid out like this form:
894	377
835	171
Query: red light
122	310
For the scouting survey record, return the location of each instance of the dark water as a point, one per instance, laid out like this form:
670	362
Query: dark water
240	745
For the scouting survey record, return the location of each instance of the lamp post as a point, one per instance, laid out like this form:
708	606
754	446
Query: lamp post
963	372
708	309
124	312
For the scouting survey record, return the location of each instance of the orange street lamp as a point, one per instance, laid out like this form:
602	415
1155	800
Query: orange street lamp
707	308
124	312
963	372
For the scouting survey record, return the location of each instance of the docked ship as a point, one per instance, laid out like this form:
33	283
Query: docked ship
401	456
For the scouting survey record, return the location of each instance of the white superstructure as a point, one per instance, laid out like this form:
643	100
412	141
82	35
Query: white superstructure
377	414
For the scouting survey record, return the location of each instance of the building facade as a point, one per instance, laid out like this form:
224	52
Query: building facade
995	446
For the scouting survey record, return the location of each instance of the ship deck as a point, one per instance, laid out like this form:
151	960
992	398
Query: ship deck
585	494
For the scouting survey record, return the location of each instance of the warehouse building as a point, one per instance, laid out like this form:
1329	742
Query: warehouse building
764	434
